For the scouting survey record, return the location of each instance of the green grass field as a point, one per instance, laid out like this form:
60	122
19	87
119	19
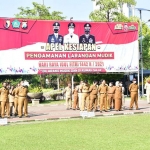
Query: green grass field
109	133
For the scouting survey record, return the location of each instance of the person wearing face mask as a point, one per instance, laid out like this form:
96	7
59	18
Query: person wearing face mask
22	99
118	96
123	98
4	92
55	37
133	88
85	104
71	38
103	89
147	87
87	38
111	99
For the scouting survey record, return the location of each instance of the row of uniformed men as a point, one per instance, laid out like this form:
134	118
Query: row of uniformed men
90	97
13	98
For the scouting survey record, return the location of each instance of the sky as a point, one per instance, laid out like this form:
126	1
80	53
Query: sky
78	9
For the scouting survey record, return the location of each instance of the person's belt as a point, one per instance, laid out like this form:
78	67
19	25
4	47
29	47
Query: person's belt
110	93
103	93
22	96
85	92
133	91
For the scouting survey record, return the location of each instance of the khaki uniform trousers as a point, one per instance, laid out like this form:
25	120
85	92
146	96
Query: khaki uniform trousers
111	100
68	102
75	101
21	103
80	99
16	105
103	102
5	104
85	101
93	102
26	107
11	104
118	103
134	99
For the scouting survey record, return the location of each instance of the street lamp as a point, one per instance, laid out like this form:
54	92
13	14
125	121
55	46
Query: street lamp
141	50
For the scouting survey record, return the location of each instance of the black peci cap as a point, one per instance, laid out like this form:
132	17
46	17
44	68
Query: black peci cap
87	25
56	24
71	25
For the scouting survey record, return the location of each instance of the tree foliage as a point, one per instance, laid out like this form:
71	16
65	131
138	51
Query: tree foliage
110	10
39	11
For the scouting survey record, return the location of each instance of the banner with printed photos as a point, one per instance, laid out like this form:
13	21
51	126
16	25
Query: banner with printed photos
50	47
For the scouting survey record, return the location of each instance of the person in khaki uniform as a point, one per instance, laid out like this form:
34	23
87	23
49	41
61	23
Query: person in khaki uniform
133	88
111	98
85	97
118	96
16	100
102	89
147	87
11	99
22	98
4	92
80	93
68	92
93	96
75	98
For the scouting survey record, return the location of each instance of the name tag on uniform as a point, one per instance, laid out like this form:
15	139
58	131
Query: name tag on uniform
3	121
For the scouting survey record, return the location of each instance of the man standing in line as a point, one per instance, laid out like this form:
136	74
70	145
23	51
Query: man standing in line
75	98
22	99
147	87
4	92
133	88
111	98
85	97
103	88
118	96
93	96
68	92
80	93
123	98
16	100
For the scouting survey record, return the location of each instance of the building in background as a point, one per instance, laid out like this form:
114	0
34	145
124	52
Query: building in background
128	10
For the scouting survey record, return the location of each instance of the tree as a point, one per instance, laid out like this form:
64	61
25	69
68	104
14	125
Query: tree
39	11
110	10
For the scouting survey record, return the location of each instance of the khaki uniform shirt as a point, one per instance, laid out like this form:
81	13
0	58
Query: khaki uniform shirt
133	87
4	92
103	89
21	91
68	91
85	88
93	90
111	89
118	92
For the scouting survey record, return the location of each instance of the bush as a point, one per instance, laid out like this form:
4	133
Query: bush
35	89
54	96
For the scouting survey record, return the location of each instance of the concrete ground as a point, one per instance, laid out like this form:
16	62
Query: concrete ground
54	112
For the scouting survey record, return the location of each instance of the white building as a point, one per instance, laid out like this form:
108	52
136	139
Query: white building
128	10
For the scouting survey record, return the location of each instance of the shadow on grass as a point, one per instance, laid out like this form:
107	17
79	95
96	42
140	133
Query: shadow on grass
53	102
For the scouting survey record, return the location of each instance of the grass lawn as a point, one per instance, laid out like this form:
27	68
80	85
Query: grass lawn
109	133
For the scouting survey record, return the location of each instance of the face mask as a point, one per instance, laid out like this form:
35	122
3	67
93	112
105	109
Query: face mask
71	30
56	30
87	31
120	84
134	81
110	84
